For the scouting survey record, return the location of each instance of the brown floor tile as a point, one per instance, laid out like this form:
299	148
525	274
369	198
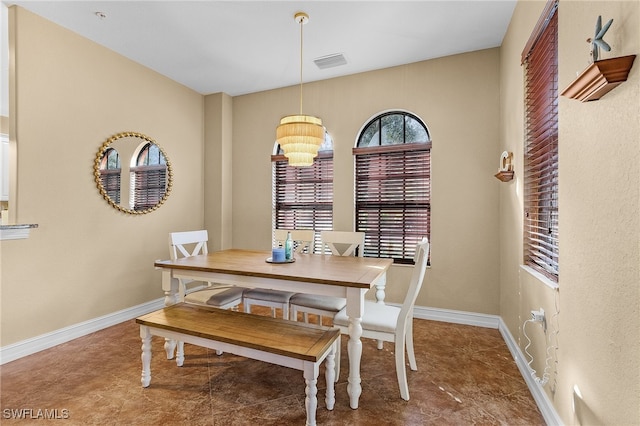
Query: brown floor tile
465	376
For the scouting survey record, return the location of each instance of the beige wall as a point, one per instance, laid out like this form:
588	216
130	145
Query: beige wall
460	111
86	259
218	206
457	97
599	177
72	94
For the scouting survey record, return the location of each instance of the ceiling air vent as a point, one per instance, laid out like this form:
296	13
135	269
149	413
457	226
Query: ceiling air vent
330	61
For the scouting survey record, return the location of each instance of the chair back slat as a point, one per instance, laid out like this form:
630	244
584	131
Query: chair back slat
302	239
179	243
343	243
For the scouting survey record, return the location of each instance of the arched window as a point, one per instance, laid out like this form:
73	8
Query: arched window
393	185
303	196
148	178
110	174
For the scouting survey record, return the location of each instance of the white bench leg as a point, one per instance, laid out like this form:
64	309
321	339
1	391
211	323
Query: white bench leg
311	371
330	375
145	335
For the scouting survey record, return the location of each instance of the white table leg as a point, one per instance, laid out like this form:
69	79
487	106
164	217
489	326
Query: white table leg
355	307
145	335
381	284
170	288
311	371
330	375
169	347
179	353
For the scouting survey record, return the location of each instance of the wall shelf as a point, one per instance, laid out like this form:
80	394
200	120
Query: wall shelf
599	78
504	176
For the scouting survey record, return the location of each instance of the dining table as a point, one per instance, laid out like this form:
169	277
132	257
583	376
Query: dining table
322	274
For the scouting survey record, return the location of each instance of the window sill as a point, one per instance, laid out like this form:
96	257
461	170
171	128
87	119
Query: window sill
15	232
546	281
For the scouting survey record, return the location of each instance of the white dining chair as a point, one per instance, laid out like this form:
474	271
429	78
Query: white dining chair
343	243
340	243
222	296
192	243
302	243
302	239
392	323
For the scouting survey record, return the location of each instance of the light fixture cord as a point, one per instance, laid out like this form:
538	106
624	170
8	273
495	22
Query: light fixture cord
301	24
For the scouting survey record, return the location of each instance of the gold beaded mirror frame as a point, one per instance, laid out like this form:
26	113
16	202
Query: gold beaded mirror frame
133	173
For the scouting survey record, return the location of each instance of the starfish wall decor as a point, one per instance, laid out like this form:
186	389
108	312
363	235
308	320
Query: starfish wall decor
597	42
602	75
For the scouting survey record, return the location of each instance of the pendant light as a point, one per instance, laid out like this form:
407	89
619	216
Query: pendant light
300	136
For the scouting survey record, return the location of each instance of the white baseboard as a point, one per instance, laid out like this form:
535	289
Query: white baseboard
545	405
456	317
36	344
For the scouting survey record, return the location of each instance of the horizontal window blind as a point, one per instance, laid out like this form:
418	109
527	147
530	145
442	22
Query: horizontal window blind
393	198
148	187
111	183
303	196
541	147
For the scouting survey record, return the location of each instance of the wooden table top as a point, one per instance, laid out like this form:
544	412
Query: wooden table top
347	271
298	340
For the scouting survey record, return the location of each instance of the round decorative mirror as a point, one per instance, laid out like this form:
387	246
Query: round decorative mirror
133	173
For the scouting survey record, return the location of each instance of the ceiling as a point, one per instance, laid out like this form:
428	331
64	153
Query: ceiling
241	47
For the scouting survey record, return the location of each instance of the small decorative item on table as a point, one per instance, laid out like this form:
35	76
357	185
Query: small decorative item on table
288	247
278	254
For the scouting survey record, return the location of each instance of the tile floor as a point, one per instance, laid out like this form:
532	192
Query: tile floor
465	376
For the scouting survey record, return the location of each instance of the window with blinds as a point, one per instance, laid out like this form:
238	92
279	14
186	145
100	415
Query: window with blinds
149	186
110	174
393	185
303	196
540	60
148	178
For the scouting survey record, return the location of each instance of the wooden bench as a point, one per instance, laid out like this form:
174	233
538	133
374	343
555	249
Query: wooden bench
287	343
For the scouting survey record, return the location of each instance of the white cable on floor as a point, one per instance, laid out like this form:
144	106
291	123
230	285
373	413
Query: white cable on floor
542	381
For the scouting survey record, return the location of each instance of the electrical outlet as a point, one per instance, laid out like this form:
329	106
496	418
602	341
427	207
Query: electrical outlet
538	316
